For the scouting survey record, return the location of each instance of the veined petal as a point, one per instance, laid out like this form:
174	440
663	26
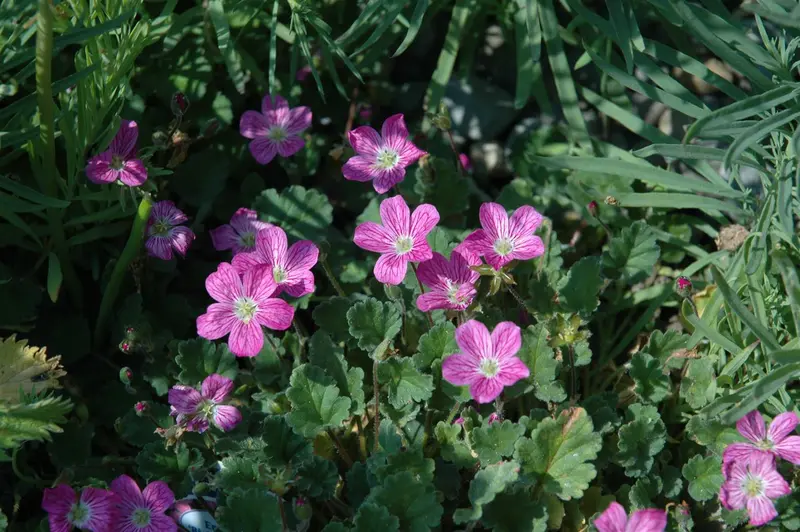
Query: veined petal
524	221
275	314
216	322
101	507
494	221
273	104
259	283
460	369
224	237
474	246
59	500
246	339
124	141
302	286
246	220
497	261
216	388
527	248
396	216
184	399
391	268
244	261
99	169
299	120
181	237
263	150
752	426
290	145
775	486
224	285
486	390
738	451
423	220
159	523
512	370
365	141
473	339
409	153
789	449
374	237
167	212
761	511
253	125
359	168
271	244
420	252
133	173
782	425
434	300
128	492
613	519
649	520
226	417
460	267
158	496
159	247
386	179
301	257
434	272
395	132
506	340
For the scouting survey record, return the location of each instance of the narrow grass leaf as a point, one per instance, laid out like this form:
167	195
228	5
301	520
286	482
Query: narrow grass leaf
757	132
414	26
672	200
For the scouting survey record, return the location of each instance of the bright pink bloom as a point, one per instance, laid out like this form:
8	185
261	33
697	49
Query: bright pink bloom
487	363
382	158
614	519
276	129
466	164
753	483
93	511
400	240
775	441
119	161
143	510
164	232
243	306
195	410
451	283
502	239
240	234
290	266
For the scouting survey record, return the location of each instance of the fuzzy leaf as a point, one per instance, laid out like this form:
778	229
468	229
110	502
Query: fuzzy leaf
644	492
642	438
412	501
661	345
454	449
577	291
139	431
200	358
699	385
330	357
155	462
558	453
632	253
412	461
374	323
331	316
31	422
26	370
302	213
371	518
704	476
238	473
254	510
316	404
403	382
673	484
486	485
712	433
652	386
436	344
537	354
496	441
317	478
282	446
515	511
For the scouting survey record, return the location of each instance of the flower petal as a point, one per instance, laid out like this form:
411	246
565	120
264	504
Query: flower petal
274	103
752	426
244	261
496	261
302	286
434	272
613	519
101	508
275	314
133	173
396	216
226	417
409	153
124	141
259	283
216	322
512	370
420	252
184	399
386	179
159	247
460	369
127	491
761	511
506	340
423	220
224	285
365	141
271	244
374	237
524	221
158	523
789	449
391	268
486	390
59	500
246	339
224	237
395	132
474	246
775	486
158	496
782	425
473	339
167	212
253	125
649	520
434	300
299	120
246	220
290	145
263	150
494	221
181	237
460	270
738	451
99	169
301	257
528	248
358	168
216	388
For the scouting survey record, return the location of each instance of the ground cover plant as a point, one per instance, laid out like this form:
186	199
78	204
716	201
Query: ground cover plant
439	265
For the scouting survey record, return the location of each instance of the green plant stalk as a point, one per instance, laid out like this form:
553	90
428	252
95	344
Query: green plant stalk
47	176
129	253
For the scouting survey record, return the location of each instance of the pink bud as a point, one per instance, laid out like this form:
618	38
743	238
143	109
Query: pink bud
179	104
493	417
458	421
141	407
683	286
592	207
465	162
303	73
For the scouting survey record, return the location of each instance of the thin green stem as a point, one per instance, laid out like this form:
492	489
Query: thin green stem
376	419
452	413
329	274
362	440
129	253
340	447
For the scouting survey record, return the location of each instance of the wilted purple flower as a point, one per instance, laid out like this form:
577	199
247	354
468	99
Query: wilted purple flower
276	129
164	232
195	410
240	234
119	161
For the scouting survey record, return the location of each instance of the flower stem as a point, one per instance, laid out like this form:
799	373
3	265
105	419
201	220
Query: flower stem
422	291
129	253
329	274
452	413
376	419
362	439
340	447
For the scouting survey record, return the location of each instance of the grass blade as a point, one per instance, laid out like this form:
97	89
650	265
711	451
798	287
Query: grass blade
619	21
223	31
413	29
713	335
525	62
672	200
757	132
273	46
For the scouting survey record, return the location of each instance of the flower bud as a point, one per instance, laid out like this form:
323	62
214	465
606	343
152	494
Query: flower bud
442	118
160	139
683	286
466	164
179	104
125	346
494	416
125	375
459	420
302	510
592	208
201	488
141	408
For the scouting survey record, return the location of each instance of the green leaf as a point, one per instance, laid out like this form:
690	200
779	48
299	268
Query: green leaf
374	323
652	386
644	491
302	213
139	431
331	315
317	478
537	354
486	485
325	354
227	48
31	422
514	510
238	473
641	439
3	521
661	345
215	169
632	253
436	344
412	501
316	404
412	461
704	476
54	276
496	441
155	462
699	384
453	448
371	518
282	446
577	291
254	510
559	452
712	433
73	446
403	382
200	358
414	26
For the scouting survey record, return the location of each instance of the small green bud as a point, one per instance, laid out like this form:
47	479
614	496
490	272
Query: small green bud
125	376
302	510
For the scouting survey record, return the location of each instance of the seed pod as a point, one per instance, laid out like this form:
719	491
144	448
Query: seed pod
179	104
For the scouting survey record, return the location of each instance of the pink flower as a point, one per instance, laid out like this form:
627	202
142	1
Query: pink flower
195	410
243	306
775	441
614	519
290	266
93	511
493	417
240	234
400	240
119	161
466	164
143	510
502	239
451	283
382	158
302	73
487	363
164	232
753	483
276	129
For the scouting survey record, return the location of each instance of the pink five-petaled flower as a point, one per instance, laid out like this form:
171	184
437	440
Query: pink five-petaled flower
290	266
243	306
382	158
614	519
276	129
487	362
240	234
753	483
774	441
196	410
118	162
451	283
164	232
400	240
504	239
143	510
94	510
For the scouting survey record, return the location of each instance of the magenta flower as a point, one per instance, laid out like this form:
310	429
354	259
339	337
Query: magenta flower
775	441
119	161
276	129
753	483
487	363
94	510
382	158
195	410
240	234
243	306
143	510
502	239
451	283
290	266
614	519
400	240
164	232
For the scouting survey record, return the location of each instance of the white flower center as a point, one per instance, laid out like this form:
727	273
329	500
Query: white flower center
403	244
277	134
452	294
765	444
247	240
386	159
79	514
753	486
161	228
489	367
503	246
279	274
245	309
141	517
